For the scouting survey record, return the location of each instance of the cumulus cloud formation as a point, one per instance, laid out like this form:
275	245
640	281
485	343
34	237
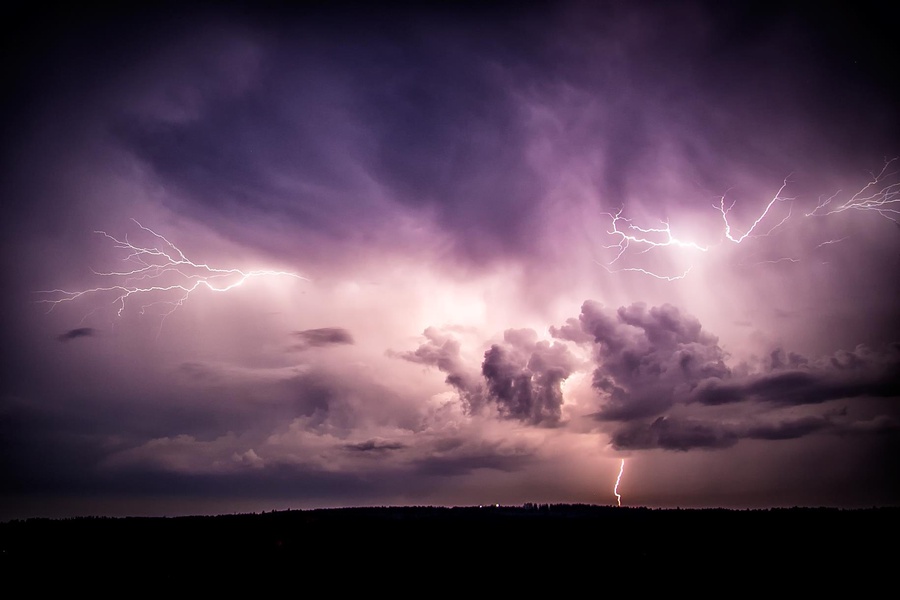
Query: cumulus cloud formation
658	379
524	376
520	378
653	362
443	351
646	358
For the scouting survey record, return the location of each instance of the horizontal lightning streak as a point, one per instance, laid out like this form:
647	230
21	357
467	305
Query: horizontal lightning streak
626	239
154	262
775	261
646	272
833	241
878	195
649	238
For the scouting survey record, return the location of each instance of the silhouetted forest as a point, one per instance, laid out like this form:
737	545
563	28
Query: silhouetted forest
523	541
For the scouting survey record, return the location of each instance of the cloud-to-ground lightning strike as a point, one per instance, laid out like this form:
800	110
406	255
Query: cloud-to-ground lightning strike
618	479
163	259
878	195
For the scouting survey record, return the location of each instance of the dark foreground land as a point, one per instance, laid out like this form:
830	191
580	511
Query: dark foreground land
521	544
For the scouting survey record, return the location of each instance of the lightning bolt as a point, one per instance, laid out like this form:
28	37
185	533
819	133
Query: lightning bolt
737	240
837	241
646	272
160	269
879	195
618	479
668	239
774	261
650	238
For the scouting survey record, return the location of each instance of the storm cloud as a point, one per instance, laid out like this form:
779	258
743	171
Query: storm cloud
524	375
847	374
647	359
520	378
458	253
655	363
670	433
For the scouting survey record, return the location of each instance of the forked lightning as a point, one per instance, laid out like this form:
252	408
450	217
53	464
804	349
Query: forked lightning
162	271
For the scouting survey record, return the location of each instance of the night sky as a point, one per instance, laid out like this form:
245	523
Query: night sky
449	254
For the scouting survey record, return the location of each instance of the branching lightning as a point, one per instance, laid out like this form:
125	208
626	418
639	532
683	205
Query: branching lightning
879	195
646	272
161	269
649	237
737	240
618	479
665	232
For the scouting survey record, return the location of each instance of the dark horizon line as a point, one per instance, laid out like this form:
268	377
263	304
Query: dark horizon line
524	508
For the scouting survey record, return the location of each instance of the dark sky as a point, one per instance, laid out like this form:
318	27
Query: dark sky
335	254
